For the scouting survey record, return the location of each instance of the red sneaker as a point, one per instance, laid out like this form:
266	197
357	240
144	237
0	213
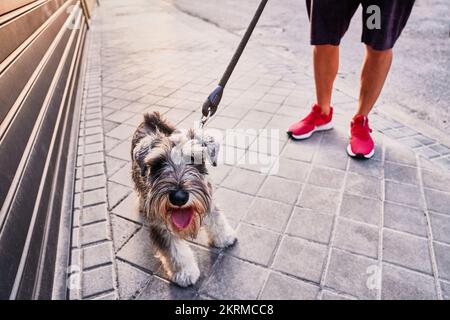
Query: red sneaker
315	121
361	143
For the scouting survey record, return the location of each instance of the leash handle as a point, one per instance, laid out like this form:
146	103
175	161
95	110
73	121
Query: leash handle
212	103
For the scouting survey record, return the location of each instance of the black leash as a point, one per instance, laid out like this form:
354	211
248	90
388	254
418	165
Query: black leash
212	102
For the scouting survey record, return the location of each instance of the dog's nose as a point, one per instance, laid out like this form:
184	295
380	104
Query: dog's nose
178	197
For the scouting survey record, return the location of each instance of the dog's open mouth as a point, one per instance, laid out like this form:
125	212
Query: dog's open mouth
182	217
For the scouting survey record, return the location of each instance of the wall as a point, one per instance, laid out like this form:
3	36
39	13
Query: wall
41	45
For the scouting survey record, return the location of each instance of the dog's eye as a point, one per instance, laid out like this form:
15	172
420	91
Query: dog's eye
156	166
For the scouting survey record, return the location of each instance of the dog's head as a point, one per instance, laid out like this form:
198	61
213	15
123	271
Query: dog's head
173	168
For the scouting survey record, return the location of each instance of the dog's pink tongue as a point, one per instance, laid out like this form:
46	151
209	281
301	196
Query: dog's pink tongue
182	217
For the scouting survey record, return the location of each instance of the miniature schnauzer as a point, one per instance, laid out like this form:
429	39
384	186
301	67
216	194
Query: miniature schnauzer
175	194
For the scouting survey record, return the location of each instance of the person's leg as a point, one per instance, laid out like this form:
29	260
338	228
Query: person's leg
326	65
329	22
373	75
391	17
379	39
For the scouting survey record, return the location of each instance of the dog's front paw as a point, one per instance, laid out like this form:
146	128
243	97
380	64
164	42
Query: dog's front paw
226	239
187	276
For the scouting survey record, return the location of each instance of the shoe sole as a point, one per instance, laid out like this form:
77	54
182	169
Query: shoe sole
359	155
325	127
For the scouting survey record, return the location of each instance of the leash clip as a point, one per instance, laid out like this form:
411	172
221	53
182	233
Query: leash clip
211	104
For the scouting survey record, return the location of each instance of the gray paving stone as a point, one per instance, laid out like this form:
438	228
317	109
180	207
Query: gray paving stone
442	253
116	193
92	183
330	296
438	201
363	186
428	153
76	237
93	139
441	227
92	131
119	116
301	151
219	173
108	297
424	140
361	209
129	209
324	177
301	258
97	281
356	237
221	122
403	194
76	218
255	244
333	157
122	230
123	176
311	225
158	289
94	197
110	143
244	181
97	255
93	148
231	156
131	280
93	170
138	251
372	168
445	286
319	199
269	214
443	162
280	189
121	151
405	219
281	287
94	233
93	158
235	279
403	284
398	154
94	214
233	203
113	164
411	142
441	149
401	173
436	180
406	250
351	274
294	170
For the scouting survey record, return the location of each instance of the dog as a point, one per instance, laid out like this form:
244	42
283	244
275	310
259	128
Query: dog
175	194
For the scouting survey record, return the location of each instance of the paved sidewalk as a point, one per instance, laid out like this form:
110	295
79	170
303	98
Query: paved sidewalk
322	227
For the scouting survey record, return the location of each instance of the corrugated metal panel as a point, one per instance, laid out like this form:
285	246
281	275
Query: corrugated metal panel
11	5
39	68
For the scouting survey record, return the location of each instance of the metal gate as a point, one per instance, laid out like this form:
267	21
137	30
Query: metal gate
41	44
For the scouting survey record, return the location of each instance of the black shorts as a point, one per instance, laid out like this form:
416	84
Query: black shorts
330	20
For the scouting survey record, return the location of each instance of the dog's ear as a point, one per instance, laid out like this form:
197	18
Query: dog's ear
211	147
139	154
